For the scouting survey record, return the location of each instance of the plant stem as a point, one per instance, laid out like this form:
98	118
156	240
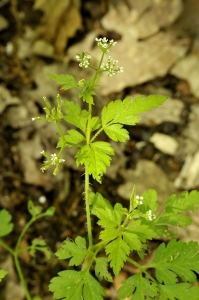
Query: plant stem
4	245
21	277
88	214
88	141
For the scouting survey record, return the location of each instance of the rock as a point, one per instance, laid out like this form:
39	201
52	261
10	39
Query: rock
189	176
169	111
147	175
131	18
6	99
164	143
189	144
142	60
16	117
43	48
188	69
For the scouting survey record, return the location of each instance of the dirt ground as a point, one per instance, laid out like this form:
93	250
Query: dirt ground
158	45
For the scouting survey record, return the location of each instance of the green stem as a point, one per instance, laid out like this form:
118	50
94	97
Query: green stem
88	214
21	277
87	182
26	228
4	245
142	268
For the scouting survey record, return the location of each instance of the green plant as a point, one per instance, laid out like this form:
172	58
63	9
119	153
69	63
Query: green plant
122	230
37	244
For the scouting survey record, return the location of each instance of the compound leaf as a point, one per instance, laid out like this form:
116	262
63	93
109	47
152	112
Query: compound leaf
40	245
101	269
97	201
73	285
75	115
73	138
117	252
5	226
96	157
186	201
68	285
177	258
138	287
74	250
124	112
68	80
117	133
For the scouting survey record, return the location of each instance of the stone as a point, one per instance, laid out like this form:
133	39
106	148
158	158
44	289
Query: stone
188	69
164	143
169	111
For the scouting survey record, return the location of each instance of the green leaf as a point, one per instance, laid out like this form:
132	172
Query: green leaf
142	103
117	252
181	291
119	112
101	269
141	288
87	95
77	250
177	258
149	202
144	232
68	285
96	157
132	240
5	226
73	138
97	201
34	210
50	211
92	289
40	245
173	215
186	201
117	133
109	217
95	123
68	80
2	274
75	115
73	285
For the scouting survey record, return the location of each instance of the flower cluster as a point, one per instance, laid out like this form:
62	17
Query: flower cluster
139	200
104	44
151	217
53	160
111	66
84	59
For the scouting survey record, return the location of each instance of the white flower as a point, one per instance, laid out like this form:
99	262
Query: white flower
33	119
151	217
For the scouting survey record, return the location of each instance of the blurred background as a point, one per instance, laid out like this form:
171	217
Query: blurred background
158	47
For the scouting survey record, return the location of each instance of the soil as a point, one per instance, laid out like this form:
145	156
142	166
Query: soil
23	85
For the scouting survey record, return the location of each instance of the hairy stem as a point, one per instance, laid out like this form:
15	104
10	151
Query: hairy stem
88	141
88	214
